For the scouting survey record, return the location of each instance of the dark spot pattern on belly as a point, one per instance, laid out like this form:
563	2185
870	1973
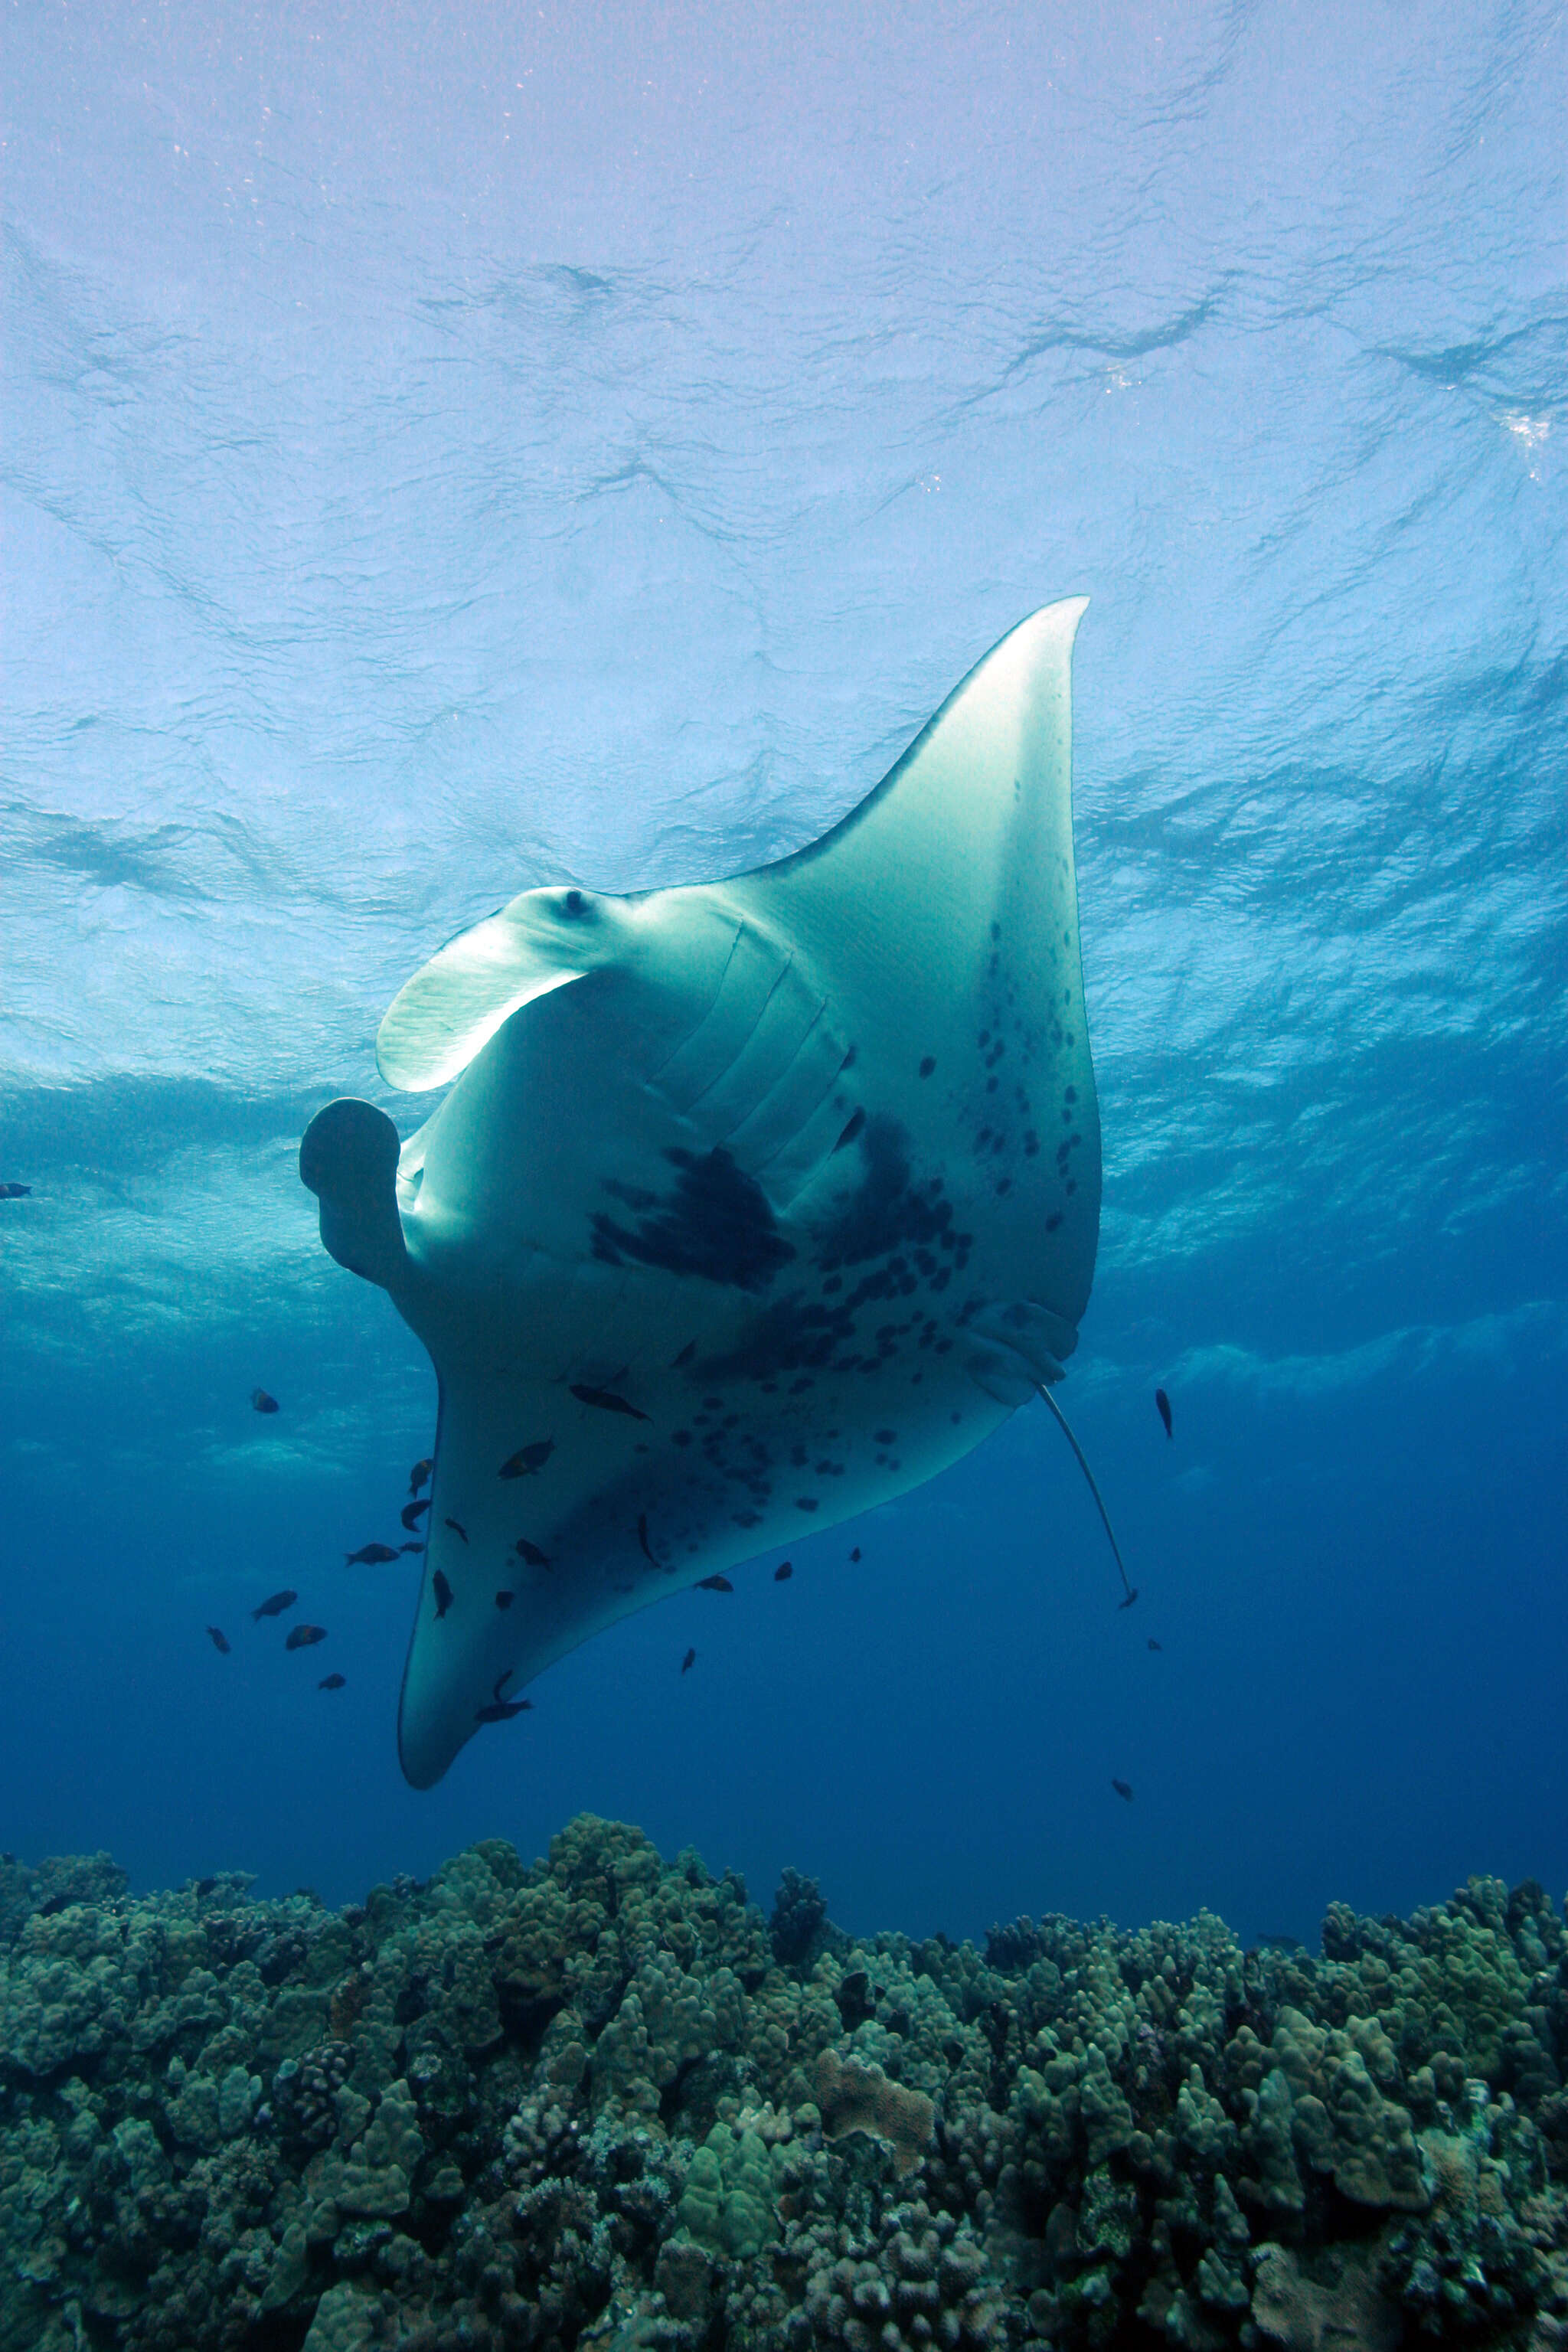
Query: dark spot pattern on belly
716	1221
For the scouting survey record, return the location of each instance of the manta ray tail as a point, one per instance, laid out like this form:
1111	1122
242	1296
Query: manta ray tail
1130	1590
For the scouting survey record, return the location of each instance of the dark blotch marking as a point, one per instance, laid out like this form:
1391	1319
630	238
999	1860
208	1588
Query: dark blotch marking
928	1065
634	1196
805	1502
505	1599
716	1222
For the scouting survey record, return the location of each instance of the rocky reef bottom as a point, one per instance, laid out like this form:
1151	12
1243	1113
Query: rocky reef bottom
604	2100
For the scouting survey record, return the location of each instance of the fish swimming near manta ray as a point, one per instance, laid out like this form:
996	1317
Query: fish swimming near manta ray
832	1124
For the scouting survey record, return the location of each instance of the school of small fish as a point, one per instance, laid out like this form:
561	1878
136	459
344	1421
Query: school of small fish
525	1462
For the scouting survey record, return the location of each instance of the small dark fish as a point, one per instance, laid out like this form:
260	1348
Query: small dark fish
412	1513
219	1640
856	1553
304	1637
418	1474
783	1572
1163	1405
275	1604
714	1584
262	1402
501	1710
402	1547
205	1886
685	1357
1156	1645
14	1192
371	1555
1124	1790
458	1529
688	1661
332	1682
504	1600
529	1460
531	1553
1131	1597
443	1591
642	1537
607	1401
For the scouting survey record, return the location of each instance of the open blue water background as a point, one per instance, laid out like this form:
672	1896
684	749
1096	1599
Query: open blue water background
446	450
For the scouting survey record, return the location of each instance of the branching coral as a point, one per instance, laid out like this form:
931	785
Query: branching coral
602	2101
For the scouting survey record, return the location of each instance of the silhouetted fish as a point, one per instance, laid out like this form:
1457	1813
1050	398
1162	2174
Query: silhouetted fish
1162	1404
412	1513
14	1192
262	1402
783	1571
332	1682
219	1640
458	1528
304	1637
413	1546
688	1661
642	1538
418	1476
504	1600
443	1591
856	1553
607	1401
275	1604
206	1885
714	1584
501	1710
531	1553
1153	1644
371	1555
1124	1789
529	1459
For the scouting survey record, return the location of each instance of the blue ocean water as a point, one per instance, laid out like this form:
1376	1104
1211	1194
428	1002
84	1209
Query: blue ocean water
447	451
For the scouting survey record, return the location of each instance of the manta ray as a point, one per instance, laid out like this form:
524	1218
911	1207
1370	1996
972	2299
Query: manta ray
751	1205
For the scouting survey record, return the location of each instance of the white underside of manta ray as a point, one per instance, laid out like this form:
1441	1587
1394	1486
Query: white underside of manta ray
753	1203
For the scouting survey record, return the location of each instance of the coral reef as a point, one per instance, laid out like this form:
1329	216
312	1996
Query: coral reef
604	2101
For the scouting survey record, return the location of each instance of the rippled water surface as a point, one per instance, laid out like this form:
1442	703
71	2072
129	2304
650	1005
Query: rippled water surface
450	452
